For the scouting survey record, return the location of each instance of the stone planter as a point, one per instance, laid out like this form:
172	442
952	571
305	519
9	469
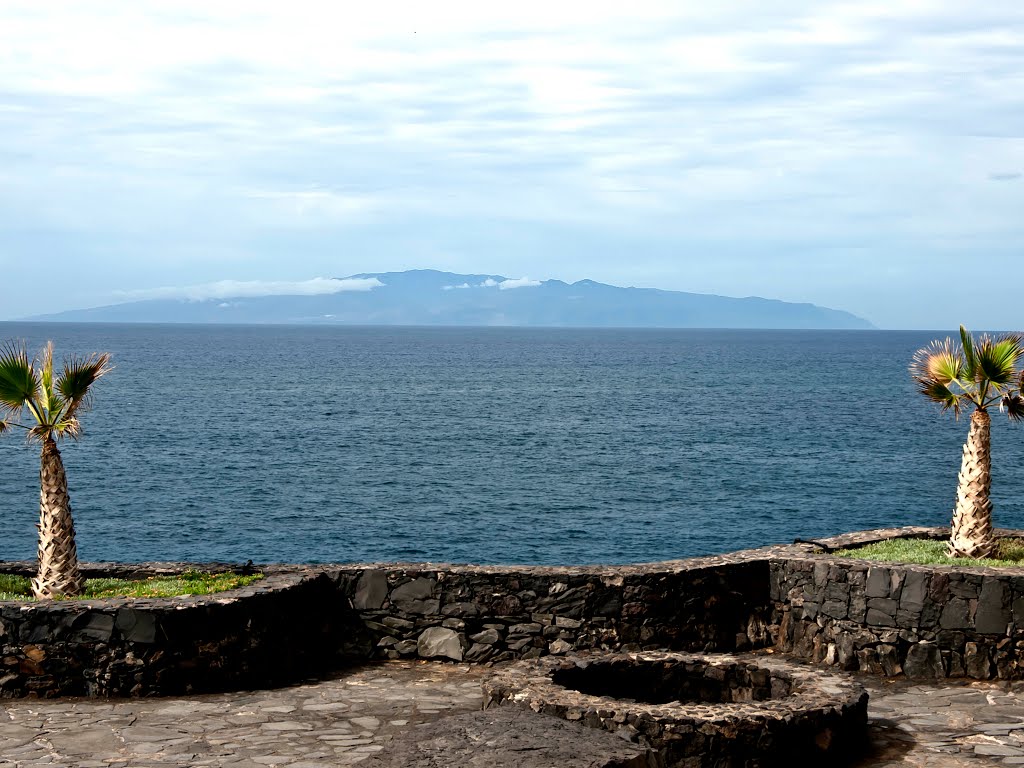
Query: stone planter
278	630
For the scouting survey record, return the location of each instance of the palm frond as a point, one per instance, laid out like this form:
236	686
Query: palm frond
938	392
997	359
940	361
967	343
69	428
17	379
78	375
4	426
51	401
1012	405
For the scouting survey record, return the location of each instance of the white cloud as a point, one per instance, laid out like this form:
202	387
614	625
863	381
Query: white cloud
228	138
519	282
488	283
236	289
455	287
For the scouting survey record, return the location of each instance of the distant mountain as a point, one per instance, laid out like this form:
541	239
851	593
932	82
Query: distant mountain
429	297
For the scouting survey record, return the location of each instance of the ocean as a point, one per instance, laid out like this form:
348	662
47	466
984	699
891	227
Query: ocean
492	445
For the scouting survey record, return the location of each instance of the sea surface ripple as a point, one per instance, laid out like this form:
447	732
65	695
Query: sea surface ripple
491	445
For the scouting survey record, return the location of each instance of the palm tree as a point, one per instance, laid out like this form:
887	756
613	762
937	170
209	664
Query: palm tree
54	404
982	374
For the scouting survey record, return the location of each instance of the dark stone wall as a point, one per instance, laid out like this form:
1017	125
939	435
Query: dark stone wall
892	619
924	622
281	629
496	614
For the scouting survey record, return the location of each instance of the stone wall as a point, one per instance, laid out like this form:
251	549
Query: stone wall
925	622
273	632
890	619
480	614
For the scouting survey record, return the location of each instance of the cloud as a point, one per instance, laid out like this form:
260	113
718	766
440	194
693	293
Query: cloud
537	138
454	287
1005	176
488	283
519	282
236	289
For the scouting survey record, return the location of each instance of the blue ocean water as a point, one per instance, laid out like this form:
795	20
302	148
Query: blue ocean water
331	444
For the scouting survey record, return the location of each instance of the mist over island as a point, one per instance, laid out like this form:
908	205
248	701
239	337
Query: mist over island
431	297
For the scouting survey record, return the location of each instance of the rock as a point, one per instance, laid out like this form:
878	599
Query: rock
924	662
437	642
415	597
882	611
92	626
479	652
976	662
993	616
955	614
406	647
461	609
915	589
889	660
559	647
509	736
878	582
136	626
525	629
371	591
487	637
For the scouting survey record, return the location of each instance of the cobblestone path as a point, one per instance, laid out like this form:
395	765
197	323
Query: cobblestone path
945	726
341	721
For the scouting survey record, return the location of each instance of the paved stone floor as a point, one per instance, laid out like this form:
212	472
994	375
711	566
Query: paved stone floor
341	721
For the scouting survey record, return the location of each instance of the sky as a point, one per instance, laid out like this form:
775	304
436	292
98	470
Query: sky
866	156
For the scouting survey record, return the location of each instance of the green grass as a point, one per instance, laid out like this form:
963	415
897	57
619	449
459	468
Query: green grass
933	552
188	583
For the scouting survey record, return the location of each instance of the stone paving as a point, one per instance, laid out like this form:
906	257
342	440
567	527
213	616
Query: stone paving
944	726
341	721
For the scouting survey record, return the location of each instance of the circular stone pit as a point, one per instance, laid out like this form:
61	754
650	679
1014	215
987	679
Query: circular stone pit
697	709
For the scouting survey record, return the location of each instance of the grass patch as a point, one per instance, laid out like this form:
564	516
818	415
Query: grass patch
188	583
933	552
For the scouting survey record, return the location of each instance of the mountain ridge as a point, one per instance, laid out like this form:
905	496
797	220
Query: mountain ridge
434	297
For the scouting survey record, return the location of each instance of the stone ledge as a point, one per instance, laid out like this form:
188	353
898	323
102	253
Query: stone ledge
814	716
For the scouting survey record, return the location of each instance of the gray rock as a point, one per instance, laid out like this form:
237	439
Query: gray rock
525	629
406	647
886	606
479	652
559	647
509	736
461	609
924	661
487	637
415	597
371	591
915	588
437	642
955	614
92	625
993	616
976	662
877	618
136	626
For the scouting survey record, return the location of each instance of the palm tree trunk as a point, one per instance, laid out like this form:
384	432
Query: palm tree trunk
58	556
972	518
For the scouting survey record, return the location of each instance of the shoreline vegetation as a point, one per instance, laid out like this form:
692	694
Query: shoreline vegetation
1009	552
189	583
